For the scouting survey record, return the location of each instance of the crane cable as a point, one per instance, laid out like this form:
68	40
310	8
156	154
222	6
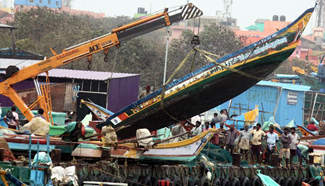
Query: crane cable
206	55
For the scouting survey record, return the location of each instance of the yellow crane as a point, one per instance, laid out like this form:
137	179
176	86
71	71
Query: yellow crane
87	49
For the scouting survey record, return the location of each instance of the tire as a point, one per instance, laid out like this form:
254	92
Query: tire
235	182
256	181
245	181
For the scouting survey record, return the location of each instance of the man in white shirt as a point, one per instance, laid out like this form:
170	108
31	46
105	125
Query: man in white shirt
244	138
256	141
293	145
271	140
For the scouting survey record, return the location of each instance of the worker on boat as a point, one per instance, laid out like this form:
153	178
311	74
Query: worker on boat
295	139
221	135
271	141
231	135
285	150
197	129
12	118
256	141
244	138
312	126
179	130
40	113
38	125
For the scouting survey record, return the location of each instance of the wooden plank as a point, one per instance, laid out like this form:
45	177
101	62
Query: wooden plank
22	146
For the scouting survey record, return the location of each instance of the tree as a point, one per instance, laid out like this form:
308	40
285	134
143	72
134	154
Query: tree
216	39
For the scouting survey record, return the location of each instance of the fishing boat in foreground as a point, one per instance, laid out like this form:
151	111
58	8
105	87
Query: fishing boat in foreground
185	150
210	85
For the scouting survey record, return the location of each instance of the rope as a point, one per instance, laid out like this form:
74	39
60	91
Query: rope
204	53
169	79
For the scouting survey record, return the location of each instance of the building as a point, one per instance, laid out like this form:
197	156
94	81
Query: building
107	89
39	3
283	101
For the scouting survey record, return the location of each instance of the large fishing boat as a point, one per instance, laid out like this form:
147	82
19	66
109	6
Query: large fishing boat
210	85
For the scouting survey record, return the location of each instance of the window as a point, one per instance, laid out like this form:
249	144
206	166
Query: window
49	2
40	1
31	1
292	98
57	3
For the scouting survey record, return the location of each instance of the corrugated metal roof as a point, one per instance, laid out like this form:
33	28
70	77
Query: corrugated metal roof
288	86
86	74
20	63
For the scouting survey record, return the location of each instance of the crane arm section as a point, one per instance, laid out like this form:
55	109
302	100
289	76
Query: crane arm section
88	48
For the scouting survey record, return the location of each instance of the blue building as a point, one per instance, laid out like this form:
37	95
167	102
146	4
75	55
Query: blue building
283	101
40	3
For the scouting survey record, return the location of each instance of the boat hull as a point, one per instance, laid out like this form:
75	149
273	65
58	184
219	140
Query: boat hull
210	85
186	150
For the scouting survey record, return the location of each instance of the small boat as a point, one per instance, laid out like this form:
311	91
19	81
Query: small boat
185	150
100	112
210	85
304	131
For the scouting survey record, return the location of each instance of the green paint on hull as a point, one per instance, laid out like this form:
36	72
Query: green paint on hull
162	158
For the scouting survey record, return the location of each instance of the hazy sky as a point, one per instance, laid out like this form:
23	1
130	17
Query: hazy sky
246	11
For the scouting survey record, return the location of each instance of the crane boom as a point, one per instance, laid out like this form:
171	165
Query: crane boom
88	48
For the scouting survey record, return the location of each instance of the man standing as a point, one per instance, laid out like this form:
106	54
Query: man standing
293	145
231	135
221	135
271	139
244	138
256	141
285	150
223	115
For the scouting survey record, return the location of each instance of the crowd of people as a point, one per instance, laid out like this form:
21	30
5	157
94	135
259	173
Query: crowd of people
254	144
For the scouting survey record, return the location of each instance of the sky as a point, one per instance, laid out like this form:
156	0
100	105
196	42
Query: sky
245	11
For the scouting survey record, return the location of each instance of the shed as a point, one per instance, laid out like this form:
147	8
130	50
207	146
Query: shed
108	89
282	100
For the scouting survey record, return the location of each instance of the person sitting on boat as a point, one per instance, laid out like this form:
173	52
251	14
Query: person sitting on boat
271	140
143	138
312	126
40	113
37	126
231	135
197	129
244	138
179	130
12	118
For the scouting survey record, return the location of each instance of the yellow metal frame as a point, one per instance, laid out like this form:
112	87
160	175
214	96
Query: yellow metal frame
86	49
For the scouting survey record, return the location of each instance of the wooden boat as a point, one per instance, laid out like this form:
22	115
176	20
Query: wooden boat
185	150
100	112
304	131
210	85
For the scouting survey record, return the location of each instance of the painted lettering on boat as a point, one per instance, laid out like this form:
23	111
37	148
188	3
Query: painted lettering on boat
203	75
